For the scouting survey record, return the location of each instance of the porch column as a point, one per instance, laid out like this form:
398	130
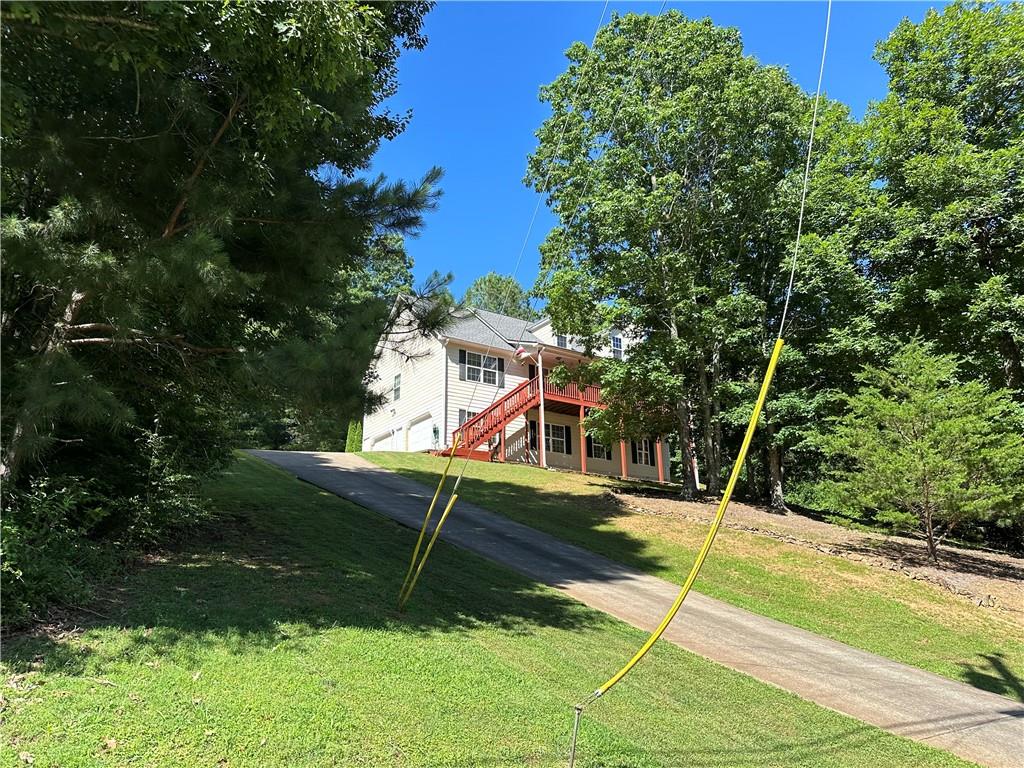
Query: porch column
583	444
501	444
541	450
622	456
661	462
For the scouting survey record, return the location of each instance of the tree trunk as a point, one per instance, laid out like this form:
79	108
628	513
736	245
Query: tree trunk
712	471
26	429
751	479
776	498
1012	367
690	489
929	532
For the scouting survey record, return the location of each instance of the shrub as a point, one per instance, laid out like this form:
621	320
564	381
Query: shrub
354	440
919	448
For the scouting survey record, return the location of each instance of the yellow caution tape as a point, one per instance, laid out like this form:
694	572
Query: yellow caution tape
426	519
706	547
430	545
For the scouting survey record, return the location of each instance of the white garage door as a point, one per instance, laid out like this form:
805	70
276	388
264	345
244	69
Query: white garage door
421	434
392	442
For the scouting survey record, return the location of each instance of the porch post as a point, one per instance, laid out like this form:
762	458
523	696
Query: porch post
501	444
542	451
622	456
583	444
661	462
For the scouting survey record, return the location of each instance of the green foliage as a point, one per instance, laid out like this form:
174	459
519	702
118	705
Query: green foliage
673	162
677	185
354	438
46	554
946	158
502	294
187	237
62	533
920	449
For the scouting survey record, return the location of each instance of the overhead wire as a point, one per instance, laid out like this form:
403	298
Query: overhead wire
745	446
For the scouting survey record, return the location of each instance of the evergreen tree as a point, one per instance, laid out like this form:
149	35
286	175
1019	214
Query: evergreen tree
500	293
920	449
184	229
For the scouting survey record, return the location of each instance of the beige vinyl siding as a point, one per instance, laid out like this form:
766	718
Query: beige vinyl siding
422	395
478	396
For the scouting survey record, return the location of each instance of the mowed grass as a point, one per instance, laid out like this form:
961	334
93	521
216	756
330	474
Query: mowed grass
277	643
879	611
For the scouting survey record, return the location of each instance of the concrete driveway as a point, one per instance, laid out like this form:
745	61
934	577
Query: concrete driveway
974	724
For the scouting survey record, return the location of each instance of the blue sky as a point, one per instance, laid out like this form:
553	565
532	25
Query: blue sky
473	96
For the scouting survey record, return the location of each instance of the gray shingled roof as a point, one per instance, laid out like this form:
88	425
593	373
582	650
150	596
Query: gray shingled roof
482	326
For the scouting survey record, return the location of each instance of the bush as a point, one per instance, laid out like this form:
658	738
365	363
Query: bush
62	534
354	440
47	553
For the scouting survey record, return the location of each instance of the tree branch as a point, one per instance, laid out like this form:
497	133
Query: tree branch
172	224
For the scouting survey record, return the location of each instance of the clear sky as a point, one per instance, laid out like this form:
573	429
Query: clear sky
473	96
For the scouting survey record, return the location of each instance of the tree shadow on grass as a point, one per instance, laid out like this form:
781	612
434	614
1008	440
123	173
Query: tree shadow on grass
993	674
565	515
915	554
281	567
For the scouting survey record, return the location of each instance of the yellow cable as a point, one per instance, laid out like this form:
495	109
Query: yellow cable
702	555
430	545
426	519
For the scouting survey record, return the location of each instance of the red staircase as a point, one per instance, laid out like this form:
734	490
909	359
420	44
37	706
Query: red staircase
489	422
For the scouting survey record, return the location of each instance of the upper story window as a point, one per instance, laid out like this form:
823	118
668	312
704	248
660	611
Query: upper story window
617	347
561	341
396	388
474	366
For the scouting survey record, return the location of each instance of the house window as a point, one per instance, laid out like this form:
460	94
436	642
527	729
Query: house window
561	341
617	347
556	438
643	452
396	389
465	415
486	368
597	450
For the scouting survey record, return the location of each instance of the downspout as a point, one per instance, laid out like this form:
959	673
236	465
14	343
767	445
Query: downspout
444	404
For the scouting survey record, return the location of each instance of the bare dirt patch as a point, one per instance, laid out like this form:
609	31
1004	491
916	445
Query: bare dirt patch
987	579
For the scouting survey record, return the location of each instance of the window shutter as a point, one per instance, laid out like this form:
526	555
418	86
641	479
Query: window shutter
590	446
652	447
533	434
501	372
632	446
462	365
567	431
462	416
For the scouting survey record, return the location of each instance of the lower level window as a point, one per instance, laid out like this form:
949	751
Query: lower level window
465	415
596	450
644	452
555	438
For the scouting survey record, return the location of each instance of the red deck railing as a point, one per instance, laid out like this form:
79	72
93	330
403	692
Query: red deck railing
488	422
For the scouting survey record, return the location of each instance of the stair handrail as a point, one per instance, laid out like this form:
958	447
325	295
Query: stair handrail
475	423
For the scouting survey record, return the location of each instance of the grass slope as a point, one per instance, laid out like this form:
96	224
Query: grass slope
886	613
277	643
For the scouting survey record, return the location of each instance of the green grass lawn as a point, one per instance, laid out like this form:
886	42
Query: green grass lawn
277	642
886	613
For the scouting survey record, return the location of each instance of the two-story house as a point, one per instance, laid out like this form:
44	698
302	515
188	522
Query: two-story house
483	383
